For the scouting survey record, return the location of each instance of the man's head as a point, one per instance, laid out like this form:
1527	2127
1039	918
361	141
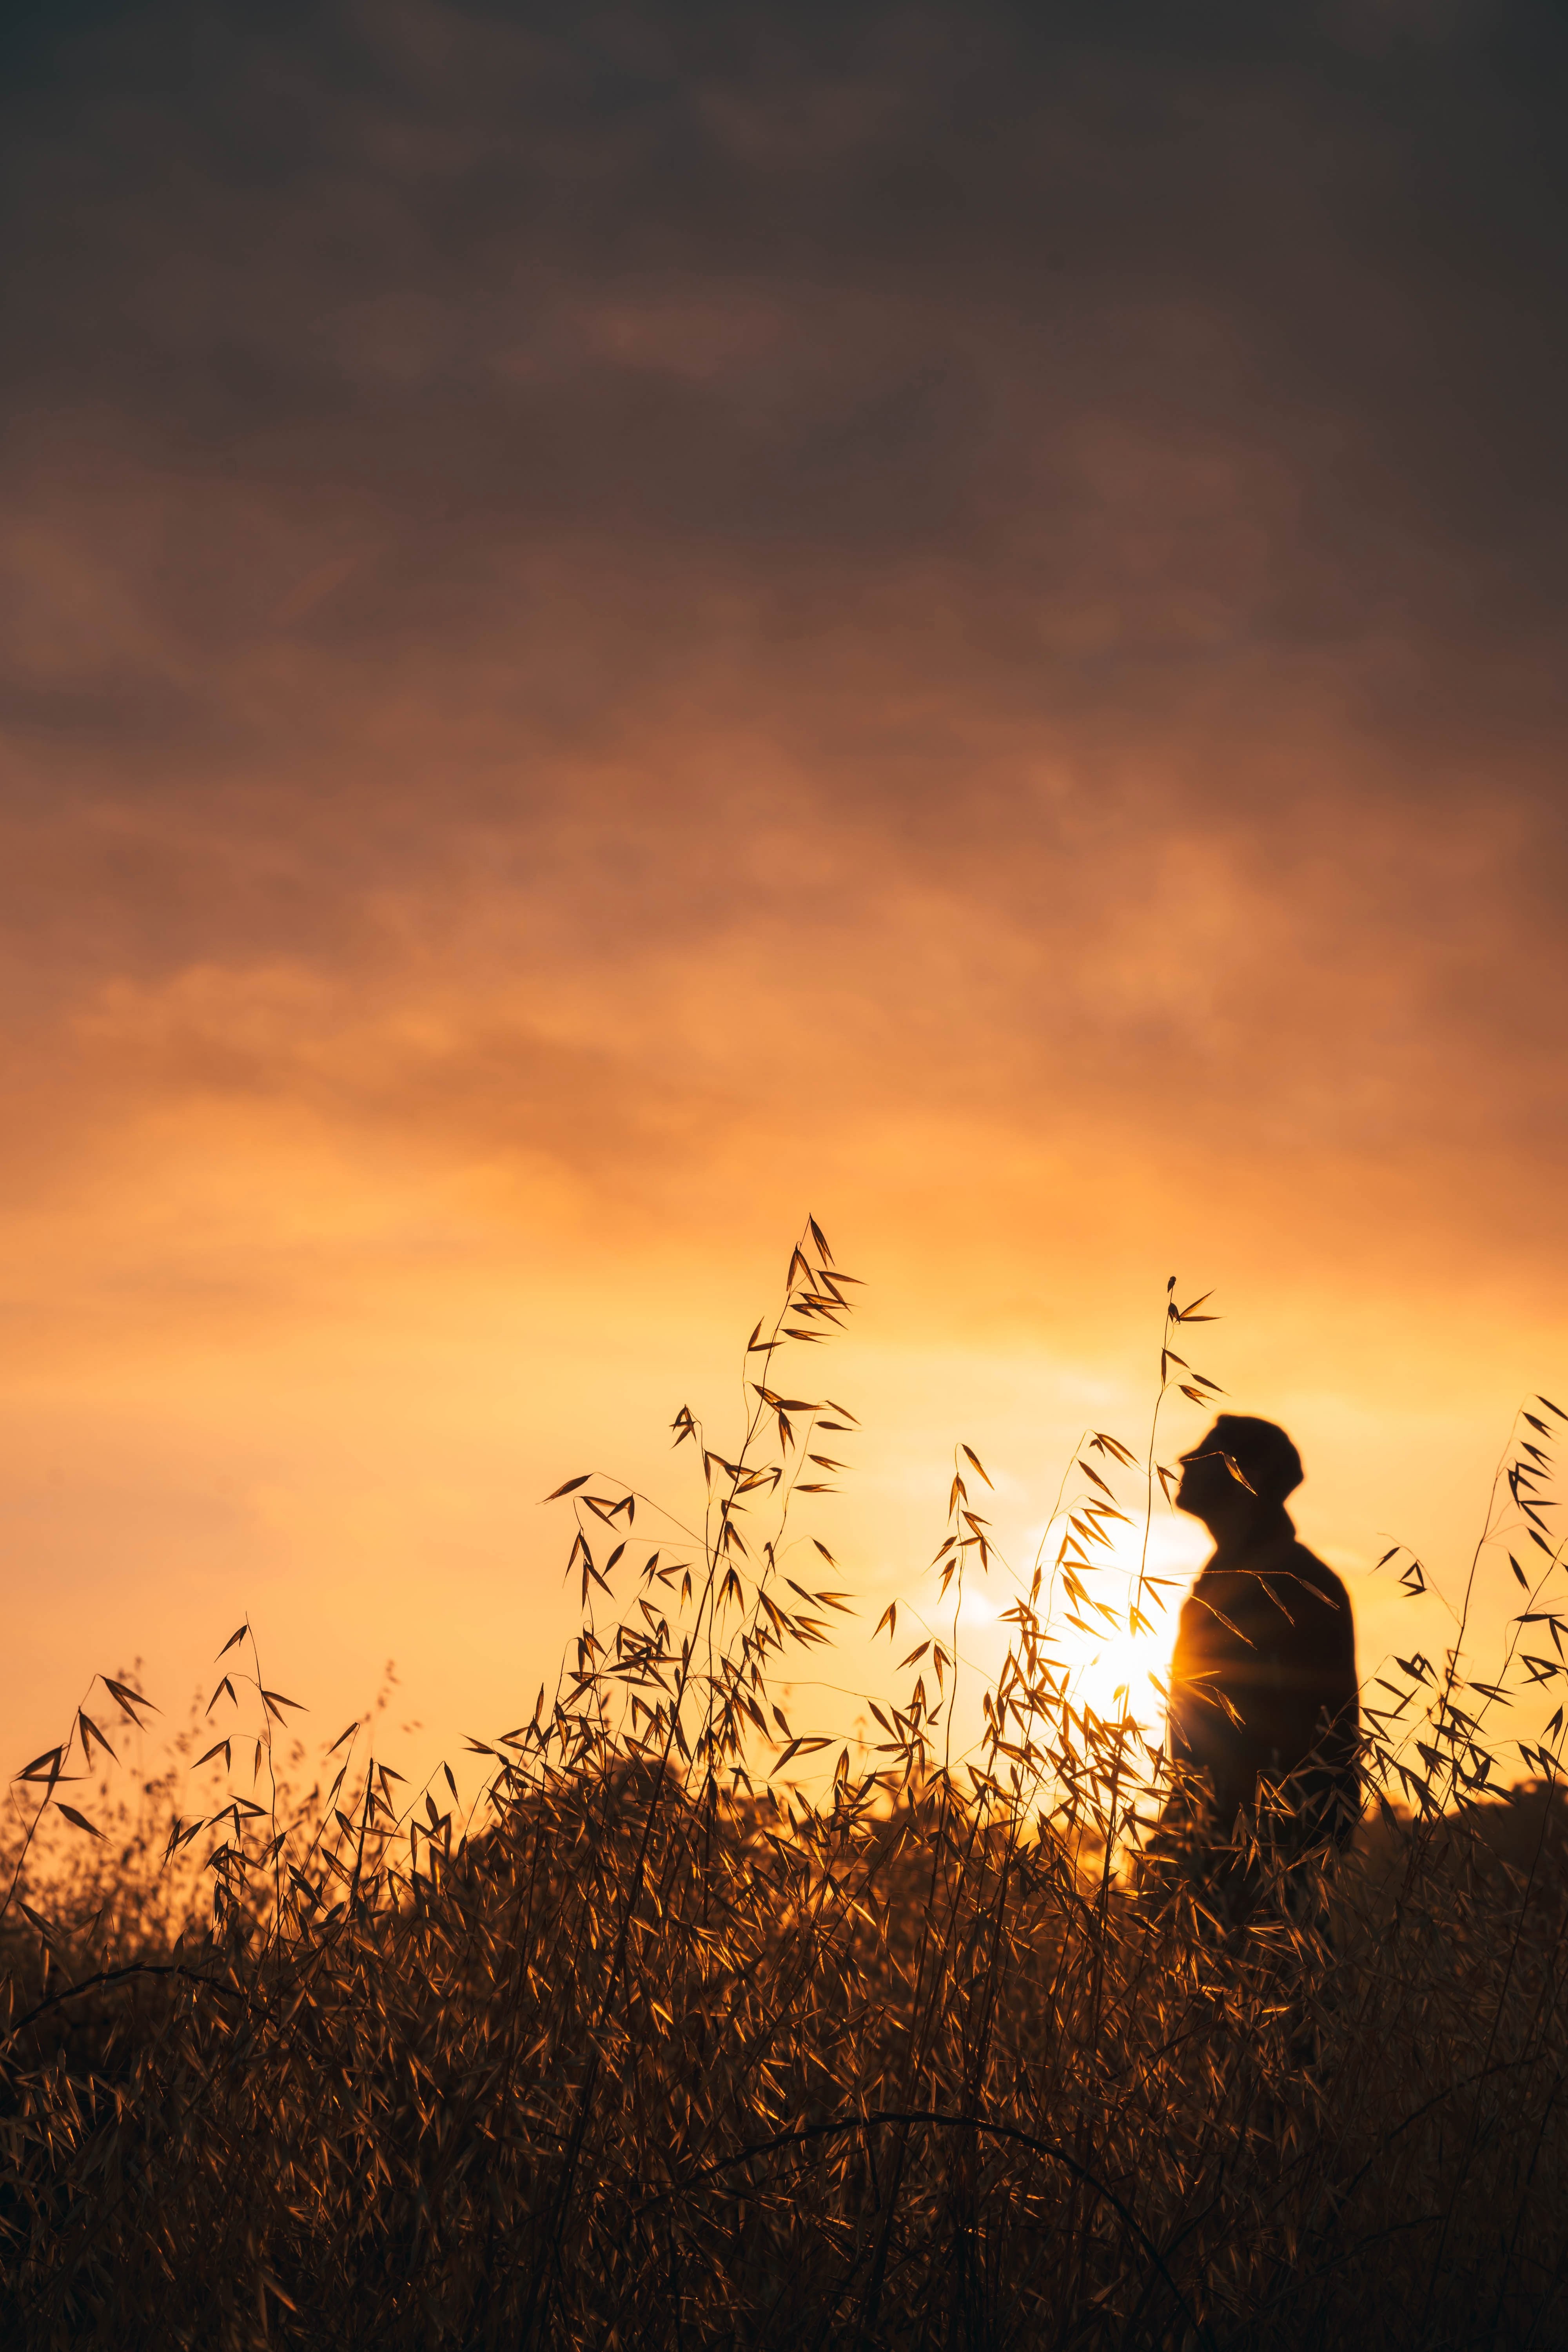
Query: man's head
1239	1475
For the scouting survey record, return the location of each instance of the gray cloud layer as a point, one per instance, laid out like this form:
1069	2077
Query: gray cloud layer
554	556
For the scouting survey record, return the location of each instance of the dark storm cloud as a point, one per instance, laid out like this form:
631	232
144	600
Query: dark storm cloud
1036	534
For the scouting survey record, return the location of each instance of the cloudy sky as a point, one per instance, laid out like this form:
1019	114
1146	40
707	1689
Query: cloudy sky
618	624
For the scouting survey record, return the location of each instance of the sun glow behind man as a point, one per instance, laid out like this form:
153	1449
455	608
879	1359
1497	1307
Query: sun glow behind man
1116	1671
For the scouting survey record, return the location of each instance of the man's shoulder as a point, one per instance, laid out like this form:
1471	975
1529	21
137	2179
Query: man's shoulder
1316	1574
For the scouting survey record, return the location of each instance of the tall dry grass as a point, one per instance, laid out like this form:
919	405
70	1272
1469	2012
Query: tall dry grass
664	2049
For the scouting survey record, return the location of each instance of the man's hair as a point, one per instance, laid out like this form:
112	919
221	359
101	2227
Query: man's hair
1260	1450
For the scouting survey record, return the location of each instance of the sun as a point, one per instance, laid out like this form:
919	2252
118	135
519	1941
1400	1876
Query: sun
1125	1674
1113	1671
1120	1670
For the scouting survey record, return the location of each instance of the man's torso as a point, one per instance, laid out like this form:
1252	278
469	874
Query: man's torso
1264	1673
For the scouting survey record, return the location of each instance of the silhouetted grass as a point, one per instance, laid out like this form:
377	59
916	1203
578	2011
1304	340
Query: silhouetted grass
660	2051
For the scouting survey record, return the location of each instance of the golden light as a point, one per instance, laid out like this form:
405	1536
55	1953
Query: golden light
1124	1675
1111	1669
1120	1670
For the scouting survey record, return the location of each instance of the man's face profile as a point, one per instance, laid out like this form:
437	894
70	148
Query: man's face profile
1207	1483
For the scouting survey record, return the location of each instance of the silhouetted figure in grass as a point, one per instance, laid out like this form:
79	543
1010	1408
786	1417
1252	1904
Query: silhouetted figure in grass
1263	1709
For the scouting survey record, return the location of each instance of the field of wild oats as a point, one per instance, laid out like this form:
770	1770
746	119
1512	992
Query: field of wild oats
694	2035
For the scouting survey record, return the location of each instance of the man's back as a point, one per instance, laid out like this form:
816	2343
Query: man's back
1264	1678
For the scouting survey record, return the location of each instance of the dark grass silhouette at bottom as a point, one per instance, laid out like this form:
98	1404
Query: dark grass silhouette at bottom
886	2079
666	2056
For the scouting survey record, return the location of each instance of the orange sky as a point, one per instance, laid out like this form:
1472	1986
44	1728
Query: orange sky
617	626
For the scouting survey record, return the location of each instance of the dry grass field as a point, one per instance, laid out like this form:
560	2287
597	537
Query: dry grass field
695	2033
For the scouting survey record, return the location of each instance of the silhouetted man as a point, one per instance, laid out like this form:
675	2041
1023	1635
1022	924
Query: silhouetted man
1263	1710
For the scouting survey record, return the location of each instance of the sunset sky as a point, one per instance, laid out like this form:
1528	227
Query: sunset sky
620	623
